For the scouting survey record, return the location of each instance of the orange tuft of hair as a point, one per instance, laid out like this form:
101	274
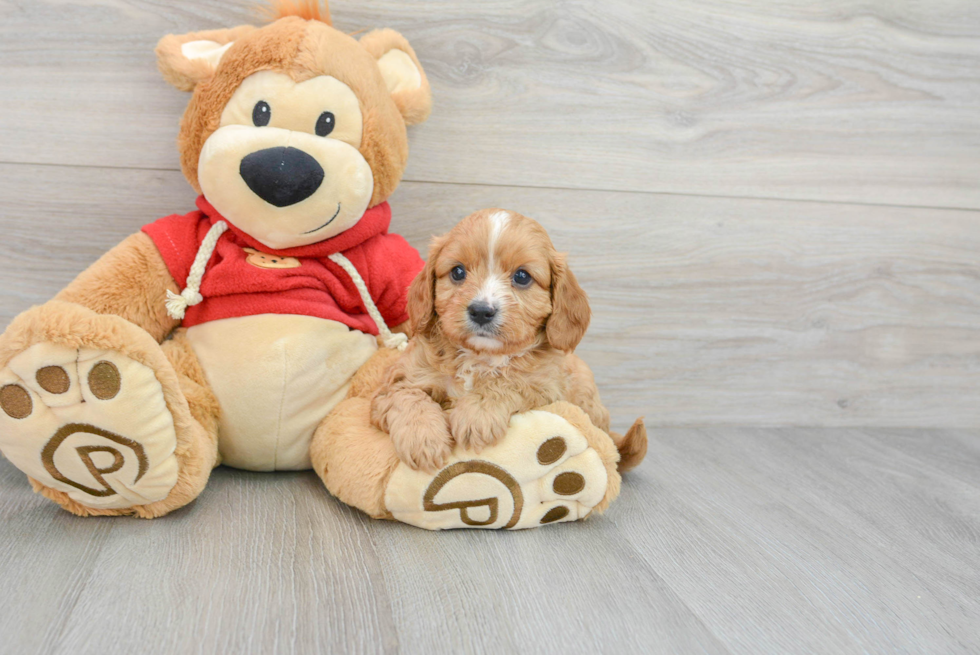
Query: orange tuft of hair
305	9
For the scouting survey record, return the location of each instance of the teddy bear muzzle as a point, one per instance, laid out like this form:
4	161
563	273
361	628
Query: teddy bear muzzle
281	176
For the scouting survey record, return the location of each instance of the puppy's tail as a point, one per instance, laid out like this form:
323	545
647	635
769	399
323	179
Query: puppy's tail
632	446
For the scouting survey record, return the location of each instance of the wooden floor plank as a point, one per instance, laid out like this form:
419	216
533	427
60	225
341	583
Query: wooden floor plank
706	311
873	101
652	140
465	592
264	563
726	540
938	449
811	541
46	559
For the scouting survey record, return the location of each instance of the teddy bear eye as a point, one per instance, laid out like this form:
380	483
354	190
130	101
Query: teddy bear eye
261	113
325	124
521	278
458	274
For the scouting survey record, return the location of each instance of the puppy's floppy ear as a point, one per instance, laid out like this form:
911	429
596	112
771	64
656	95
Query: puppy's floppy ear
188	59
402	72
422	293
570	313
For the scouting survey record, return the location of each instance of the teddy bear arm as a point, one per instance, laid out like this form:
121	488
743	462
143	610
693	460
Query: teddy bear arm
130	281
553	465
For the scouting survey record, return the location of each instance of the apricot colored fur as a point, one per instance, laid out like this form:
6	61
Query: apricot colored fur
455	386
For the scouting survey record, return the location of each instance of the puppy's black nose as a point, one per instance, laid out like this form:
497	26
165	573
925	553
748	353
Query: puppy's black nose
481	313
281	176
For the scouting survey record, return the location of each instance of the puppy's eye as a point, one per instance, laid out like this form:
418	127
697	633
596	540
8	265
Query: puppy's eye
522	278
261	113
325	124
458	274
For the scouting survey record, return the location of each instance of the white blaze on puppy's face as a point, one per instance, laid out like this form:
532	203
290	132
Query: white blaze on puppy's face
492	246
493	290
498	223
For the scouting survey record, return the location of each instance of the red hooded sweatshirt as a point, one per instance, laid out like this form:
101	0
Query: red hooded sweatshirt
235	284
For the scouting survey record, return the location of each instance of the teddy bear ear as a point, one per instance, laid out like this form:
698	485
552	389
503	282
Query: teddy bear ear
402	73
188	59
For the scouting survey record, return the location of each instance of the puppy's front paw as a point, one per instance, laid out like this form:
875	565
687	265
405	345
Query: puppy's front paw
475	428
416	425
424	447
381	404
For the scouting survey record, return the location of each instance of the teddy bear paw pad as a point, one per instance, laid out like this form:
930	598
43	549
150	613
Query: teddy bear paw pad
543	471
90	423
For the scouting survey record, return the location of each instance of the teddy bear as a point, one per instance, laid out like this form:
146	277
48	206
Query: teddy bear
251	331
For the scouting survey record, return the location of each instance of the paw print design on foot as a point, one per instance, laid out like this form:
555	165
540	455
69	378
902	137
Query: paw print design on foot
90	423
543	471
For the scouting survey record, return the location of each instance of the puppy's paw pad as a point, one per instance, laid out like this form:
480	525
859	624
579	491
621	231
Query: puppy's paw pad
90	423
543	471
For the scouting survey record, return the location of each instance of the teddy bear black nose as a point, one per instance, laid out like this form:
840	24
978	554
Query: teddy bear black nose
281	176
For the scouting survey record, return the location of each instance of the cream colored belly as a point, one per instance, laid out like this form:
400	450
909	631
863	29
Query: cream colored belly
276	377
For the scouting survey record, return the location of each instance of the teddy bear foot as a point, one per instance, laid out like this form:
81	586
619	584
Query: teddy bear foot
92	424
552	466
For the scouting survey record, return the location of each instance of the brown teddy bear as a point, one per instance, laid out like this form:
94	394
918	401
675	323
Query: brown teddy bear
232	334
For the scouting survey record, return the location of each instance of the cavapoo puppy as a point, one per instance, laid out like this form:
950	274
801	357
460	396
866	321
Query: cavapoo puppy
496	315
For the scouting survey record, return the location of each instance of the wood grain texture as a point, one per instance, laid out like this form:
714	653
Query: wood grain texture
715	314
727	540
707	311
843	541
872	101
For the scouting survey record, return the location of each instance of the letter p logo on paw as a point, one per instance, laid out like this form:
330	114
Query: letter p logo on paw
92	424
543	471
469	509
71	464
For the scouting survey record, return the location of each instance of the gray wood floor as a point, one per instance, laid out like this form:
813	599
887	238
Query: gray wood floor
775	208
727	540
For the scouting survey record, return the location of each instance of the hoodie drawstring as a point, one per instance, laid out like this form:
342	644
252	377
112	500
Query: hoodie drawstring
191	295
177	304
396	341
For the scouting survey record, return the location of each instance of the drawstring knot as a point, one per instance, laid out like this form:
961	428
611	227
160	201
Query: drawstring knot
395	341
177	304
